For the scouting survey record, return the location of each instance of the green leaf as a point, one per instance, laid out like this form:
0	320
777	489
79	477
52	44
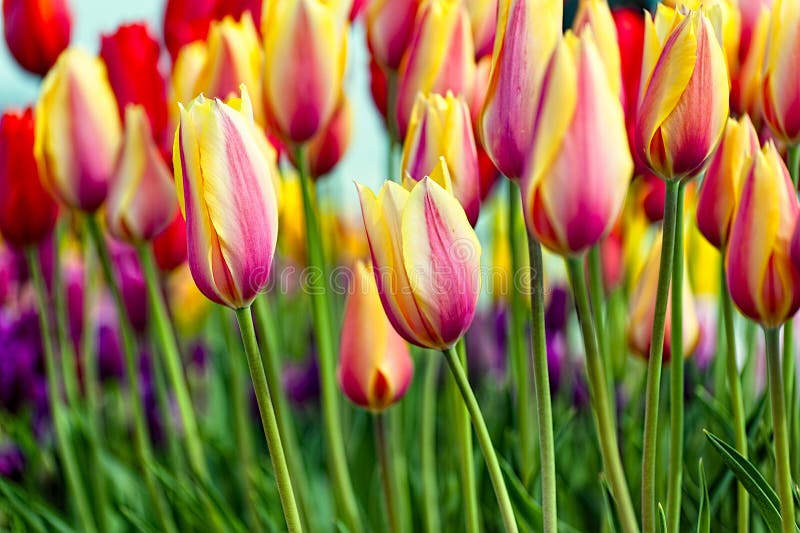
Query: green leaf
607	505
662	519
748	475
704	513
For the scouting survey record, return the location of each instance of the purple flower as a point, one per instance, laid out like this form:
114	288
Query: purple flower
486	344
131	282
557	312
12	462
301	381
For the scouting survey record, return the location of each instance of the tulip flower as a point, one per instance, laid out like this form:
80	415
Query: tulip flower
684	94
27	211
747	81
77	131
390	24
483	20
169	247
131	55
233	57
596	14
440	57
426	258
305	51
224	170
441	127
580	167
187	21
185	72
328	147
630	39
763	282
641	309
36	32
750	13
527	32
722	184
781	86
375	366
141	193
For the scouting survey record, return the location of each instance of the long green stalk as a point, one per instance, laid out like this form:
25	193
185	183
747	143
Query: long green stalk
650	452
268	420
71	469
463	435
485	441
326	349
675	477
606	432
384	452
430	489
67	349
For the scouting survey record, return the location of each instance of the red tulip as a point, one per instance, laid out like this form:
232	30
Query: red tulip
630	36
170	247
186	21
27	212
36	31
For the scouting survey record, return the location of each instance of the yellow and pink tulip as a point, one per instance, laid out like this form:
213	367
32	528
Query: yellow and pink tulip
781	83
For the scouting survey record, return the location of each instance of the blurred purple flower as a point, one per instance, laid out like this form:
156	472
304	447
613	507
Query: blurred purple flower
557	358
486	344
131	282
557	312
301	380
12	462
707	345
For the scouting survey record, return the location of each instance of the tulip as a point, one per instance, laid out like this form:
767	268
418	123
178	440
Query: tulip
77	131
747	81
483	20
596	14
527	32
390	24
575	186
781	86
185	72
169	247
441	127
763	282
375	366
641	309
131	55
36	32
27	212
440	57
328	147
305	51
141	193
630	38
684	94
750	11
224	170
186	21
722	184
426	258
233	57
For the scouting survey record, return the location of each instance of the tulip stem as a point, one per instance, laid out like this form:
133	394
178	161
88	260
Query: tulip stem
650	452
737	404
142	444
485	441
609	448
428	455
793	162
383	448
779	428
391	114
463	434
165	336
597	290
71	469
541	376
323	333
67	349
676	378
268	420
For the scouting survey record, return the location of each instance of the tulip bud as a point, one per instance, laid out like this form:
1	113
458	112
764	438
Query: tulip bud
654	193
77	131
781	89
375	367
131	55
187	21
36	31
722	184
389	27
305	51
233	57
483	20
746	83
169	247
441	127
596	14
440	57
185	72
763	282
630	38
27	212
580	165
141	196
527	32
328	147
684	94
426	258
224	171
641	309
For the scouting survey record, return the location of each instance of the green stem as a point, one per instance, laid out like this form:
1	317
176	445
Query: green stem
485	441
650	452
165	336
177	461
383	448
71	469
391	112
460	416
142	444
597	290
430	489
675	477
788	375
326	349
541	376
609	448
793	162
737	403
270	357
268	420
67	349
779	427
397	426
